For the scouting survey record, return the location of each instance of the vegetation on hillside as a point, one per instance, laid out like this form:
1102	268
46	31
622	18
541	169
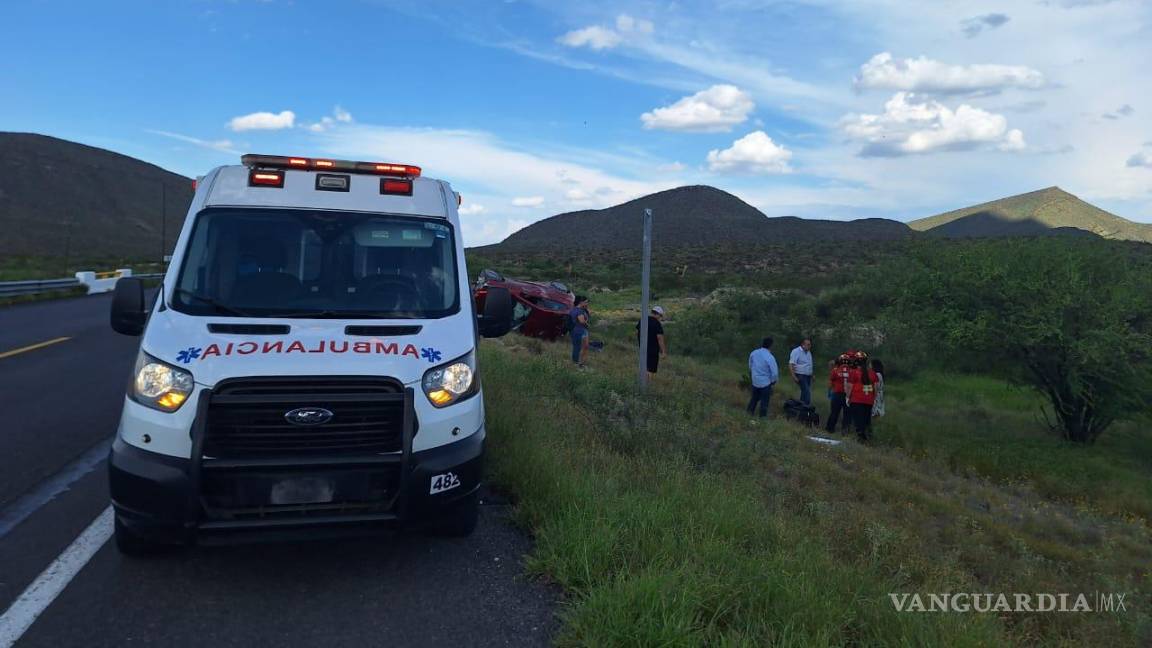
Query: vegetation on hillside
69	200
674	519
1073	320
23	268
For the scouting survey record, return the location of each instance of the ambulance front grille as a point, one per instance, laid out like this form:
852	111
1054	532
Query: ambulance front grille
248	418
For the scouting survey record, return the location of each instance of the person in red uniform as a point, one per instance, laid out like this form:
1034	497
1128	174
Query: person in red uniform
837	389
862	396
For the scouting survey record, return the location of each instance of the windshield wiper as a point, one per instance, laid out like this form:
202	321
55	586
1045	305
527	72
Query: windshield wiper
222	308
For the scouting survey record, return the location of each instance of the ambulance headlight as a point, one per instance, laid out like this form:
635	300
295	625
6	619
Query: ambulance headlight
451	382
159	385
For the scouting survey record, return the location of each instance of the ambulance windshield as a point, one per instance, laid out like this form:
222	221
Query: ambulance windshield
312	264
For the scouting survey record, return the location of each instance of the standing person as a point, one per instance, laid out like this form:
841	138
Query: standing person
656	347
800	365
878	406
850	362
579	333
862	396
838	393
765	373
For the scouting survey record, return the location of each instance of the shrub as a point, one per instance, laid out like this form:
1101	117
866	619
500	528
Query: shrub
1072	319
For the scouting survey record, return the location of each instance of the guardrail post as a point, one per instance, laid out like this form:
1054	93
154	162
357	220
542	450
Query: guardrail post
86	279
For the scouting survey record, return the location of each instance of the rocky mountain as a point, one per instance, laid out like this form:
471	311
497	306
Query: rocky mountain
61	198
1036	213
691	216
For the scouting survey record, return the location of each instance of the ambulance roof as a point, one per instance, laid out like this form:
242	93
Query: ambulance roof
309	183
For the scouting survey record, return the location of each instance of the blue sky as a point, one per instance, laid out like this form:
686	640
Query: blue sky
817	108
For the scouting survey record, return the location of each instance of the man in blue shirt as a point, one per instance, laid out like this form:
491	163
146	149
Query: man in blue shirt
579	333
765	373
800	364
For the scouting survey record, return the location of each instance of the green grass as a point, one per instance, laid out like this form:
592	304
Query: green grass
21	268
979	426
24	268
675	520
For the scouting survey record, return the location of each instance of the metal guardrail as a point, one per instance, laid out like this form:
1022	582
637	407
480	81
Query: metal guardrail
35	286
12	288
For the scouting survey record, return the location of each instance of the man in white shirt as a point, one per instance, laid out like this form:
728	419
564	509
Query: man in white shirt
765	373
800	365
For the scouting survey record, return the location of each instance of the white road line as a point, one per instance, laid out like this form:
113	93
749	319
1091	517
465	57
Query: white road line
39	595
47	490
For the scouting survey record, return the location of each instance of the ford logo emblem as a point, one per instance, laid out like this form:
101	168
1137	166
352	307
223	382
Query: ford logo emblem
308	416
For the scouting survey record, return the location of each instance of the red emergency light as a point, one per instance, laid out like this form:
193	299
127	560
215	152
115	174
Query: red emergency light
347	166
390	187
262	178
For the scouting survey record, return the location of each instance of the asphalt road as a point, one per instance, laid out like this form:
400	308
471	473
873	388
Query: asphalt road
59	405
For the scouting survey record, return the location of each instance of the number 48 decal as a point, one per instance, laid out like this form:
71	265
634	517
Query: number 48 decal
441	483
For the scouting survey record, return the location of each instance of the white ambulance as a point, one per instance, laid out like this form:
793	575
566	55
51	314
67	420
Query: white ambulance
308	366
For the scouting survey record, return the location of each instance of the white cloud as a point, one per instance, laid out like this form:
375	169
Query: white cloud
479	164
714	110
1073	4
223	145
263	121
490	230
909	126
1140	159
339	115
627	24
672	167
923	74
577	196
972	27
753	153
528	201
598	37
594	37
472	209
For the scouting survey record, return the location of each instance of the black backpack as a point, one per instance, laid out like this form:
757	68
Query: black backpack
804	414
569	324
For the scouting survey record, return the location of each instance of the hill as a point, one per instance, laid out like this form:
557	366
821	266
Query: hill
694	216
1036	213
60	198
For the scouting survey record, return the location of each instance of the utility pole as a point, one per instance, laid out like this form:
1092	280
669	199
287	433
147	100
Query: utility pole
67	240
163	219
645	271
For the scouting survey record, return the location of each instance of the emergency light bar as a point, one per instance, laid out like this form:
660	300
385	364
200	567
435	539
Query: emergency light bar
372	168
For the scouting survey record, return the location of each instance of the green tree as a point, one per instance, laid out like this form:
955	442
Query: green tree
1072	318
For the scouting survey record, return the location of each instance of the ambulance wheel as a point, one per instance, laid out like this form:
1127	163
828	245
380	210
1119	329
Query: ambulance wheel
460	520
133	543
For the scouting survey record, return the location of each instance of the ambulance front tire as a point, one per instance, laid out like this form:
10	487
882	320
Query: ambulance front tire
133	543
460	519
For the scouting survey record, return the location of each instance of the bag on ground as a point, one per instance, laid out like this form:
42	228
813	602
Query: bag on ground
803	414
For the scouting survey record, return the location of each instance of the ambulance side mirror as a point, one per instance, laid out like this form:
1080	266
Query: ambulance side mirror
128	313
496	320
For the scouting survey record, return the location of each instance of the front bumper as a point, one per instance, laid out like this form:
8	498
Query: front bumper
172	499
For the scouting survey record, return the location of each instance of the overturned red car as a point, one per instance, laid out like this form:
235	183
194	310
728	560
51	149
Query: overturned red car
539	308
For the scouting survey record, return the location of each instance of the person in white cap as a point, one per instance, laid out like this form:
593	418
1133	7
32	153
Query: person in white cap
656	346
